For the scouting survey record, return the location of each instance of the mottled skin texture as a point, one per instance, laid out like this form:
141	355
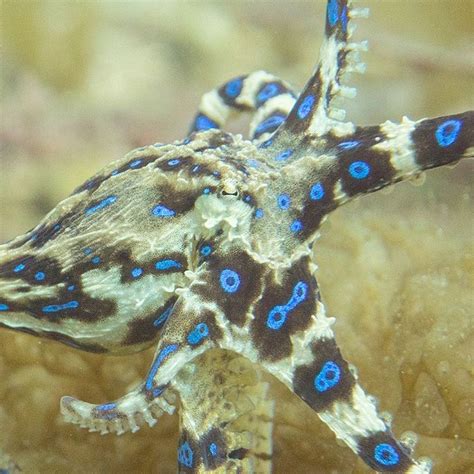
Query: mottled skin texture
206	244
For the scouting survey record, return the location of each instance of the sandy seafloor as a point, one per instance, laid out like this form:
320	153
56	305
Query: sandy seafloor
82	83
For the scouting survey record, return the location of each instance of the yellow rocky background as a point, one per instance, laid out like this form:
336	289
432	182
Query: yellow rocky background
84	82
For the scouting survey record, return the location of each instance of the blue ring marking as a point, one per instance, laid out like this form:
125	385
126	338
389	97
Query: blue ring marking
95	260
305	107
196	168
101	205
106	406
162	211
185	141
166	264
386	454
333	12
269	90
259	213
277	317
54	308
71	288
229	280
233	88
204	123
216	173
164	353
174	162
266	143
20	267
253	163
157	391
447	133
344	19
328	377
213	449
271	122
247	198
136	272
205	250
296	226
114	173
200	332
284	155
206	191
40	276
163	316
316	193
56	227
135	163
300	291
284	201
185	455
4	307
87	251
359	169
349	145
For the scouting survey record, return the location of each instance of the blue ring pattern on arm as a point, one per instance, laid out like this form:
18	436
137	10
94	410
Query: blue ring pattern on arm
164	353
349	145
278	314
213	449
136	272
4	307
386	454
54	308
269	90
283	201
447	133
328	377
233	88
135	163
269	124
229	280
160	320
306	106
19	268
185	455
40	276
259	213
205	250
204	123
200	332
162	211
166	264
284	155
101	205
333	12
359	169
174	162
316	193
296	226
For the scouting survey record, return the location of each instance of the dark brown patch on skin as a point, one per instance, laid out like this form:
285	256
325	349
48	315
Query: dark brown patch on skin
323	350
275	344
146	329
367	446
234	304
213	449
179	201
429	154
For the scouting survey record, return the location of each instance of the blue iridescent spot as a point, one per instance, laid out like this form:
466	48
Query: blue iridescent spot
269	124
40	276
204	123
20	267
162	211
386	454
114	172
349	145
186	141
359	169
196	168
101	205
206	250
266	143
305	107
56	227
328	377
164	353
296	226
163	317
247	198
233	88
344	19
87	251
253	163
95	260
284	155
135	163
447	133
71	288
136	272
54	308
259	213
284	201
229	280
206	191
185	455
174	162
199	332
277	317
166	264
4	307
213	449
333	12
107	406
300	292
269	90
316	192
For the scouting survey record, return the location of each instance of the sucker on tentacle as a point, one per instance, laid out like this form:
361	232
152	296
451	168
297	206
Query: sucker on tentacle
203	247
